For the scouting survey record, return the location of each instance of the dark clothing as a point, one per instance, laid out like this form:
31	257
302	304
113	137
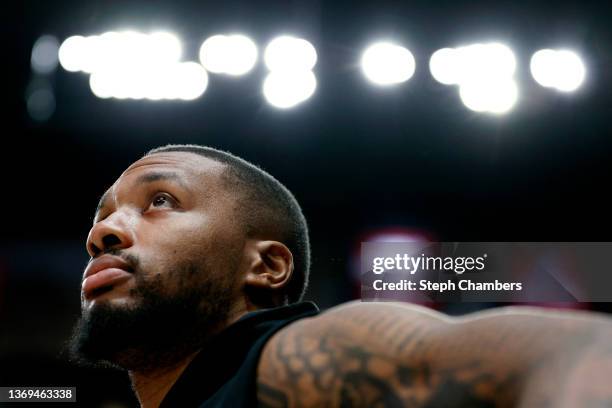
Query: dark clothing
224	373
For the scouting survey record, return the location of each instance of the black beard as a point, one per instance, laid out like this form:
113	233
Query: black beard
159	331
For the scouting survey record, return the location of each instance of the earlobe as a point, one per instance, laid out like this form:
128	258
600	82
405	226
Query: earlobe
271	266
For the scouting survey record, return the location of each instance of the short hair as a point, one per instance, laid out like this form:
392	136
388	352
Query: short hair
268	207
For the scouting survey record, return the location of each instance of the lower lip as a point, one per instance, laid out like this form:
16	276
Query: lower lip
103	278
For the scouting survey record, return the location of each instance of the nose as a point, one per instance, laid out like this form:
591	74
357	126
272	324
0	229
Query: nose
111	233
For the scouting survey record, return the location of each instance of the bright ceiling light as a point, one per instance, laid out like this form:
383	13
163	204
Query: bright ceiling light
285	89
290	53
134	65
71	53
213	54
185	80
164	46
571	71
45	54
495	96
451	66
40	101
480	62
559	69
386	63
228	54
542	66
442	65
113	49
191	81
484	73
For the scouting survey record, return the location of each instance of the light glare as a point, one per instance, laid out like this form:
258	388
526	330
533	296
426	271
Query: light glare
185	80
386	63
71	53
287	53
285	89
496	96
228	54
45	54
442	66
472	62
41	102
559	69
483	72
134	65
485	62
112	49
164	46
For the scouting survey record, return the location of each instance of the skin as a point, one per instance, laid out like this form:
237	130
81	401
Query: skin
357	354
172	206
398	355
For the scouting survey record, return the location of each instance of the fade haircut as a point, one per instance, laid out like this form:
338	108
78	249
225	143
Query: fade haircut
268	209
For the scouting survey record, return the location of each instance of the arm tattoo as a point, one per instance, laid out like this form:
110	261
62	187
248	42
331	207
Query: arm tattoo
269	397
365	358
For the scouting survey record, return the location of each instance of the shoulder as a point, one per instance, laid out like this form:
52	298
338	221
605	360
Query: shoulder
358	322
341	352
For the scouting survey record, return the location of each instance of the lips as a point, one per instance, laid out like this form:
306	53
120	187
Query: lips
104	272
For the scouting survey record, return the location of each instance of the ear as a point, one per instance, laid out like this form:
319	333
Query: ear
271	265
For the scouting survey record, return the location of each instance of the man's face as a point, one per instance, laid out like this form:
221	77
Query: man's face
166	253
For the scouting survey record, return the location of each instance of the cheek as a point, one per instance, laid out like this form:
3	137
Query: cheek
216	246
219	250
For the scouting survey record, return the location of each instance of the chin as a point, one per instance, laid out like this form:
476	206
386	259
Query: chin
111	298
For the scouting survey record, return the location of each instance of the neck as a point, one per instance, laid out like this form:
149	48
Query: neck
152	386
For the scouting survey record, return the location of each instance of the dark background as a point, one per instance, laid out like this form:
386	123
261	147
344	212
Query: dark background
360	159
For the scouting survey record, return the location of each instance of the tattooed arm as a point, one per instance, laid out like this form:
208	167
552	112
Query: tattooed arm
394	355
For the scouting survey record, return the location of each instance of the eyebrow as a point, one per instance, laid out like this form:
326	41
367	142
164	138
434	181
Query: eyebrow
146	179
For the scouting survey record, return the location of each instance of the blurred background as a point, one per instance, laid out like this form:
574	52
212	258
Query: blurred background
495	142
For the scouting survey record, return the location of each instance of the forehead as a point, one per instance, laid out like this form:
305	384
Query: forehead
193	170
190	163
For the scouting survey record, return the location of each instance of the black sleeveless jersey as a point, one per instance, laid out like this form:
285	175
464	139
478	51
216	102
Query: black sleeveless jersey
224	373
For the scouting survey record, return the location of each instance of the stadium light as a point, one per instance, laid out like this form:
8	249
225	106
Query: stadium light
442	66
71	53
453	66
40	99
559	69
287	53
113	49
291	80
483	72
134	65
45	54
286	89
185	80
228	54
385	63
497	96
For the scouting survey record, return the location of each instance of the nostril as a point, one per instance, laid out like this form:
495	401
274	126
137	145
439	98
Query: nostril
94	249
110	241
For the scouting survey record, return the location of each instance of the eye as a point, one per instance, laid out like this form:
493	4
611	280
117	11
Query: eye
162	200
